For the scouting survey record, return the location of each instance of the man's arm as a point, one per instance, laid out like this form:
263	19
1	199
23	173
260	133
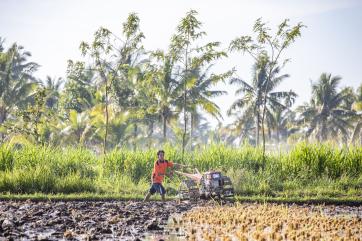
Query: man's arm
178	165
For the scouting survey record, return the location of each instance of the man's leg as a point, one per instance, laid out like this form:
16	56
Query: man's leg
147	197
162	192
150	192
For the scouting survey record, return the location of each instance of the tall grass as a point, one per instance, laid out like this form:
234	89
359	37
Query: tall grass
308	169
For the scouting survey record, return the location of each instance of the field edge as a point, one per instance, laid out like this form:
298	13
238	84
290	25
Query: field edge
347	200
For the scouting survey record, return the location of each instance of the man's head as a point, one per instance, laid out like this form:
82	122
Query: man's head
161	155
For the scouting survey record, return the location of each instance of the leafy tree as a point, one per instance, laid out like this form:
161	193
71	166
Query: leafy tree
35	121
271	47
190	57
80	88
112	63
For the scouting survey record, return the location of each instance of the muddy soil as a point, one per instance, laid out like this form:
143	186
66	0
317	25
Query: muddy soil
85	220
110	220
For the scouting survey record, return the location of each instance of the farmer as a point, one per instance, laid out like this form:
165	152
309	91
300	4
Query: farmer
158	173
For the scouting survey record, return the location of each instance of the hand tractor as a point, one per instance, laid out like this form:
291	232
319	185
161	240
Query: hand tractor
211	184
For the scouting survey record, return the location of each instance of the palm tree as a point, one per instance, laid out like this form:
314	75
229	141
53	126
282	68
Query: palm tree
166	88
283	118
16	81
77	128
325	115
141	100
52	87
252	100
113	63
241	130
202	131
357	106
199	94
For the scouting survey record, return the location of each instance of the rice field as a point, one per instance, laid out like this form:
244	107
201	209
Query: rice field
270	222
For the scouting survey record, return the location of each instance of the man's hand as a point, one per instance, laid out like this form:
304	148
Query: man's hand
170	174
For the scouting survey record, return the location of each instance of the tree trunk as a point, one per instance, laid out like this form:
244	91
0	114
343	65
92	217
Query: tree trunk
269	133
78	133
263	119
105	80
2	120
323	132
185	100
135	128
164	122
150	133
107	119
257	128
277	130
184	133
191	129
2	114
263	131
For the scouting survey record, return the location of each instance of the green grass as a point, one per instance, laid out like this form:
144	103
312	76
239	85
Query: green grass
308	171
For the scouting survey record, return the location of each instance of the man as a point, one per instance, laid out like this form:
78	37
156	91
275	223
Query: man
158	173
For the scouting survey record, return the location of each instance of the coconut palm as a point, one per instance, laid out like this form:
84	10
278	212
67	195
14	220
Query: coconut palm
196	98
199	96
52	87
77	128
357	106
252	96
166	88
242	129
17	85
282	123
16	80
325	115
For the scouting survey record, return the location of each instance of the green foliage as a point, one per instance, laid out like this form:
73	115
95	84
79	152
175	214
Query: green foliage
122	95
6	158
327	115
34	118
307	170
79	90
266	48
194	62
315	161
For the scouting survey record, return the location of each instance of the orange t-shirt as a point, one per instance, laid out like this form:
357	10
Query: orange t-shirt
159	170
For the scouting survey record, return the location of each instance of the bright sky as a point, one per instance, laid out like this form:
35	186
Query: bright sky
52	31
